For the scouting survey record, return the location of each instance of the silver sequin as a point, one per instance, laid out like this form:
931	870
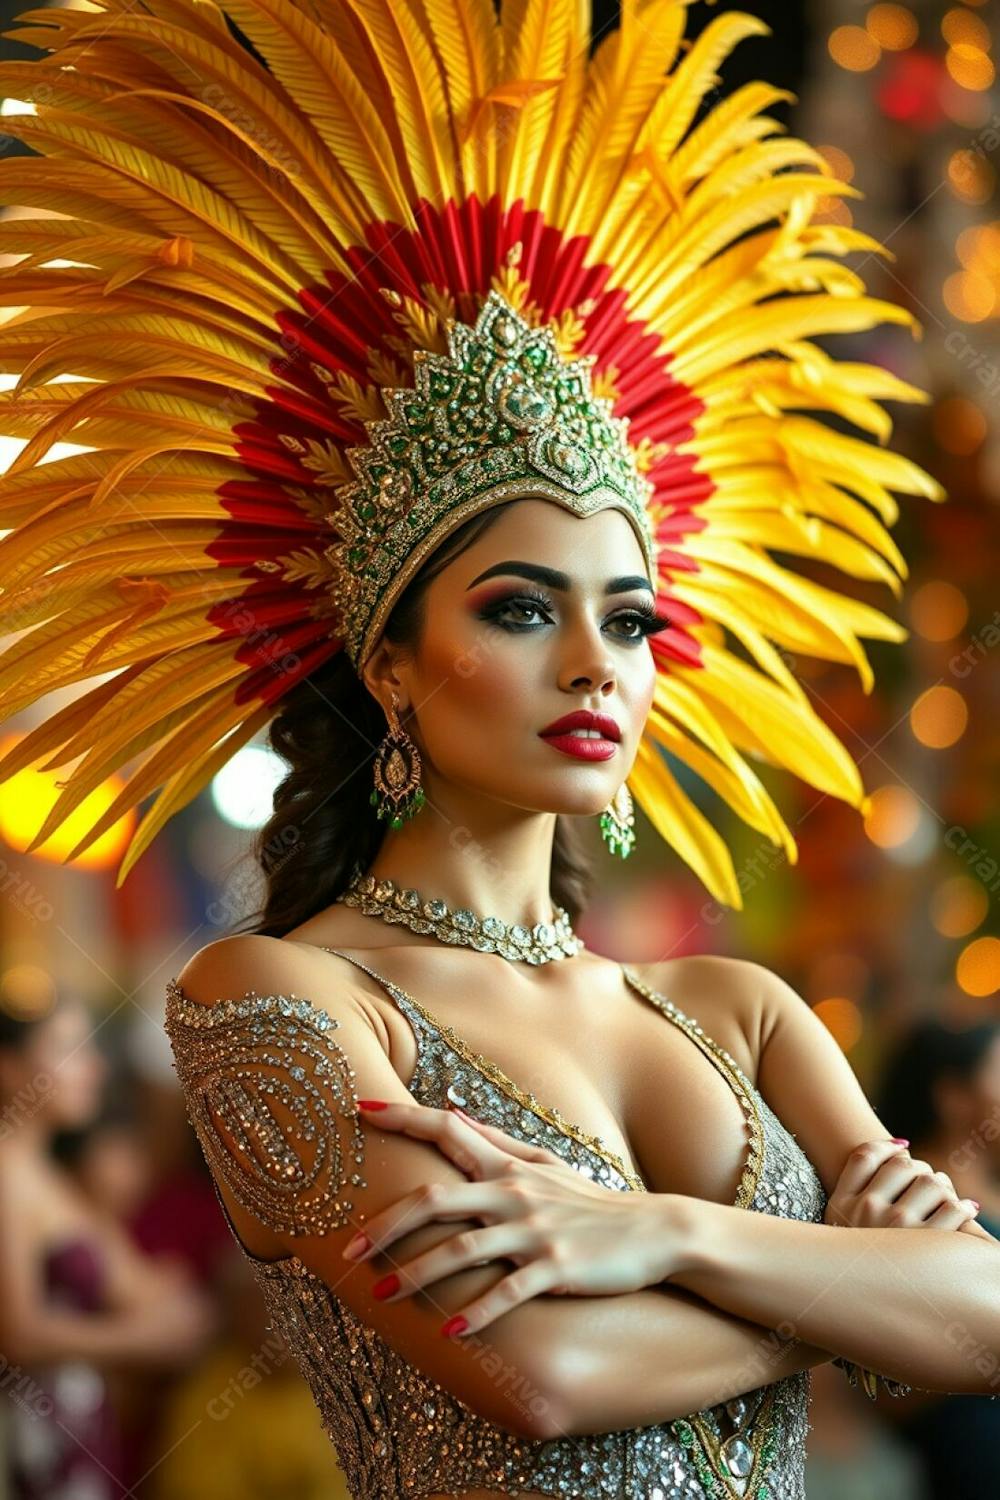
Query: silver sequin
400	1435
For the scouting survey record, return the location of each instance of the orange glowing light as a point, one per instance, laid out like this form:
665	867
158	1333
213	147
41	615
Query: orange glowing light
892	26
969	296
28	797
892	817
958	906
977	969
939	717
960	26
938	610
969	66
842	1019
839	162
852	47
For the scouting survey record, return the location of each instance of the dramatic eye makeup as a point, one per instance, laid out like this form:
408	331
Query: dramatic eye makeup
511	608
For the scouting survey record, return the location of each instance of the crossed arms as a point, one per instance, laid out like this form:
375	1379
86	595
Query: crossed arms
757	1298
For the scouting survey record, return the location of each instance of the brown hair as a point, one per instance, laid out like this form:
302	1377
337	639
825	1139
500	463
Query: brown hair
328	730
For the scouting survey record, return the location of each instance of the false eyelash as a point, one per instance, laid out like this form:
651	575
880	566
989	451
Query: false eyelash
649	620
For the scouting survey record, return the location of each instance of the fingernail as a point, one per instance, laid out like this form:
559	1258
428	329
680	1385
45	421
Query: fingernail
974	1204
454	1325
372	1104
386	1286
356	1247
898	1140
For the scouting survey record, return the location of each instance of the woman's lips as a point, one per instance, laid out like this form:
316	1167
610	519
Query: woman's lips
583	747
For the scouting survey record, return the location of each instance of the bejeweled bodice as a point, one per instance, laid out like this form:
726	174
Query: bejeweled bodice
399	1433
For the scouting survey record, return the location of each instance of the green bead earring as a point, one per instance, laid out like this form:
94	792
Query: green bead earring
397	793
618	822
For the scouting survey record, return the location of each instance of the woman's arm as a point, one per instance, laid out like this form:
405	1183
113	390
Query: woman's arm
550	1367
921	1302
920	1306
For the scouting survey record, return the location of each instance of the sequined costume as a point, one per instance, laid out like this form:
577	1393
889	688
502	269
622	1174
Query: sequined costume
310	283
398	1433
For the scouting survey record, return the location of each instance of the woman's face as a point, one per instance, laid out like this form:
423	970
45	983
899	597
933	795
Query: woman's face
541	616
58	1073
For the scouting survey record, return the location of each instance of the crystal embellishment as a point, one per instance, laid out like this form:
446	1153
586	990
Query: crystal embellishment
502	415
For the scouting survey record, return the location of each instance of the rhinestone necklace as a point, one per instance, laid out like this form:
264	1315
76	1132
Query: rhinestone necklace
533	945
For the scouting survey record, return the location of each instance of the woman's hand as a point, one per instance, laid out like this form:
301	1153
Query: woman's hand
883	1187
566	1234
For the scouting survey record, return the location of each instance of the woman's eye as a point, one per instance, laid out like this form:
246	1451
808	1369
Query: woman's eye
514	614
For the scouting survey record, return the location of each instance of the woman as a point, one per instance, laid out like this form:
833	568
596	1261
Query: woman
516	1044
76	1298
518	291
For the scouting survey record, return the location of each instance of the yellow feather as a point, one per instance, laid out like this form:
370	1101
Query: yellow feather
185	785
315	74
685	829
417	92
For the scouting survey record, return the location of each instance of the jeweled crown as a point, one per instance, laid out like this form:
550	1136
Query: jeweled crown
502	415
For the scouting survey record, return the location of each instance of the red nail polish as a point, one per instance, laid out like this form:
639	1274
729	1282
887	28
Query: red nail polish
897	1140
386	1286
457	1324
372	1104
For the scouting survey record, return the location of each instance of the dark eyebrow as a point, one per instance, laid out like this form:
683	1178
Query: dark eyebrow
556	580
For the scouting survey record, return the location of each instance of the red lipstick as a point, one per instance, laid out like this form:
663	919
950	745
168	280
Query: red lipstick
583	747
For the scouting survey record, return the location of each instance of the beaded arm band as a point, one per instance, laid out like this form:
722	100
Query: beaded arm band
271	1096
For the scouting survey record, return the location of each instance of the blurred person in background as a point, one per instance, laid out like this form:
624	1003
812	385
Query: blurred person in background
77	1299
941	1091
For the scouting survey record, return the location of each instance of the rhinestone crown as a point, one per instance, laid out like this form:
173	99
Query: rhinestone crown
502	415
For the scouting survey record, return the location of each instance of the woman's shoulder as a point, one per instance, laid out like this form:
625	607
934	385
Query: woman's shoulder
249	964
729	997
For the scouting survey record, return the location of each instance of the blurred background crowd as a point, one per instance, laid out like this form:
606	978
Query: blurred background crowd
137	1358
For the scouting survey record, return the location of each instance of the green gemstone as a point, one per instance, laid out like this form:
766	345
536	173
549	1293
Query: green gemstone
525	406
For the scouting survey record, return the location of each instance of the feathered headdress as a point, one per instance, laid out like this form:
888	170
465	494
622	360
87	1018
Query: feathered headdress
266	268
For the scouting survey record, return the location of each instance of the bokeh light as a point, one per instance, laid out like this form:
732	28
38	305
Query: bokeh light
839	162
939	717
842	1018
894	27
960	25
938	610
243	791
958	905
893	816
854	48
970	66
969	296
977	969
971	175
28	798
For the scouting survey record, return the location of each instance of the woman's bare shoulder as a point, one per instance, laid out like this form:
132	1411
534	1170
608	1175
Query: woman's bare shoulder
233	966
727	996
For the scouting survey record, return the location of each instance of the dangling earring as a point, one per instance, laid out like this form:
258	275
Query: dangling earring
397	793
618	822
